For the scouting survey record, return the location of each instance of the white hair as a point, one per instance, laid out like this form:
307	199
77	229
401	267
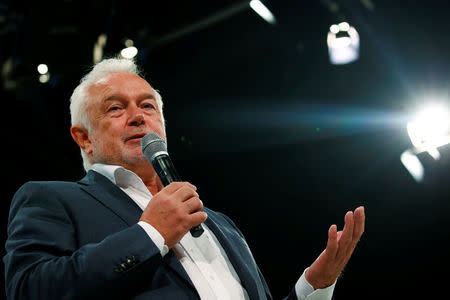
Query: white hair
80	98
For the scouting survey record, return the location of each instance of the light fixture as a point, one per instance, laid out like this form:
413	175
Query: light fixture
428	130
343	44
412	163
97	54
262	11
44	76
42	69
129	52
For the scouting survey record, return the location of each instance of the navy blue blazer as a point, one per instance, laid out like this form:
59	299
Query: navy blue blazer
80	240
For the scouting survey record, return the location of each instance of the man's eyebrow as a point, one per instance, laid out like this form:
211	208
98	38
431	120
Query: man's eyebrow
120	96
147	96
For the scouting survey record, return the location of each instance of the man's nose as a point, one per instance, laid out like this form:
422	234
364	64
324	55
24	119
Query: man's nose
136	116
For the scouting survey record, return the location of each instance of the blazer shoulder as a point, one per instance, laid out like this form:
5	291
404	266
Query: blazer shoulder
44	188
42	193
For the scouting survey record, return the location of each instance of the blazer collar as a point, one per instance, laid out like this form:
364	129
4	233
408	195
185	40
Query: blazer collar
111	196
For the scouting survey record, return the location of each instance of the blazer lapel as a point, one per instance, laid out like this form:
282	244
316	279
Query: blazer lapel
173	262
113	198
239	255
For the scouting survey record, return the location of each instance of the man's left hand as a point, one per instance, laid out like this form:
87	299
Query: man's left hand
327	267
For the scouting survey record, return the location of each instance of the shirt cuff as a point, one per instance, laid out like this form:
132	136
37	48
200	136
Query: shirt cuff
304	290
155	236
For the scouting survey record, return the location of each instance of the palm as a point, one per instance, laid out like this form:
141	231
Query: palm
330	263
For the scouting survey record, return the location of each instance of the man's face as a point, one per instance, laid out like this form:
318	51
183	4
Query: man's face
122	111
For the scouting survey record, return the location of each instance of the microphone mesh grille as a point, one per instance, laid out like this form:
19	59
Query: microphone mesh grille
152	143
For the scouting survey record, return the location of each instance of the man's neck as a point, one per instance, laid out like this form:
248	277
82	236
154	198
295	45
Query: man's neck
150	179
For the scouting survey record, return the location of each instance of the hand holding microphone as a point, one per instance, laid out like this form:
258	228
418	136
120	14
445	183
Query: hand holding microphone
178	203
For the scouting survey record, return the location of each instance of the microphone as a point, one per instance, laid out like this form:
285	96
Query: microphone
155	150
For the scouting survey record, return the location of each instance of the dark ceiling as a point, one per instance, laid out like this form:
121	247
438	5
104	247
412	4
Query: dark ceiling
272	134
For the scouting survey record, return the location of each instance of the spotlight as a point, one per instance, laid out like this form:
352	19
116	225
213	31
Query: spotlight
42	69
44	76
262	11
429	130
129	52
343	44
98	48
344	26
412	164
334	28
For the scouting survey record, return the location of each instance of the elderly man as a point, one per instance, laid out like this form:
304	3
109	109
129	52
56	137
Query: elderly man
119	234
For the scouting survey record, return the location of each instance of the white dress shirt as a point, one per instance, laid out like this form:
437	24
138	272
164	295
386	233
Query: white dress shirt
203	258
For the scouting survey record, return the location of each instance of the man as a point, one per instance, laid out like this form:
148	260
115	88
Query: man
119	234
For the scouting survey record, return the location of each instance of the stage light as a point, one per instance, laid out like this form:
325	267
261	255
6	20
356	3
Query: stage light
262	11
413	165
44	78
42	69
344	26
129	43
334	28
97	54
430	130
343	44
129	52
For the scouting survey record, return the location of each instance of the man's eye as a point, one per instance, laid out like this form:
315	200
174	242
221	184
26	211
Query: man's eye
148	106
114	108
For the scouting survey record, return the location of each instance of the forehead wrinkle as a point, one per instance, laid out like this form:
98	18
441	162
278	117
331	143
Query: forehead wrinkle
99	88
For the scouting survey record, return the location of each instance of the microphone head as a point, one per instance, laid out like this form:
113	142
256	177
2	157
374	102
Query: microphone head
153	145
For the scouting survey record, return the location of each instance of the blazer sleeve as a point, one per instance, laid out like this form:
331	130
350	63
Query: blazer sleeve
44	260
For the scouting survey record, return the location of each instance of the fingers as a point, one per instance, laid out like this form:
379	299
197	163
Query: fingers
347	232
198	218
190	202
340	246
353	229
174	186
332	243
359	219
193	204
185	192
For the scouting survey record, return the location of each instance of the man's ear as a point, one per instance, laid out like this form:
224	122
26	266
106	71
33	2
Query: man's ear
81	137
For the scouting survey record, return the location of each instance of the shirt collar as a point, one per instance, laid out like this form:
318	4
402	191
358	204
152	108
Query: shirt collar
121	177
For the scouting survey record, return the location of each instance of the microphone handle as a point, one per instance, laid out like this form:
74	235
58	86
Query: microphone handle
167	174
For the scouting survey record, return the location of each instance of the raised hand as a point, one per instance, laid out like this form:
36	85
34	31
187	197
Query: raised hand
327	267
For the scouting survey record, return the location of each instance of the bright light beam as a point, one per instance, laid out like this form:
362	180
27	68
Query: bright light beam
262	11
430	130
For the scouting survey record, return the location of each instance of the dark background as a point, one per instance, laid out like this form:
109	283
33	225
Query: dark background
270	132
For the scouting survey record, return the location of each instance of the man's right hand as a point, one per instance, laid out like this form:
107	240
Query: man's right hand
174	211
